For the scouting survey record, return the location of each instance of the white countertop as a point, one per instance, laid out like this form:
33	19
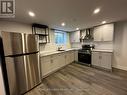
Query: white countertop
46	53
103	50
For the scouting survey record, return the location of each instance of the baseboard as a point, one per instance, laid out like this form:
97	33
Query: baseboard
120	67
101	68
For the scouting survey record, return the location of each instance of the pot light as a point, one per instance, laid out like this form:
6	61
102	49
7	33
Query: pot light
63	24
31	14
77	28
96	11
103	22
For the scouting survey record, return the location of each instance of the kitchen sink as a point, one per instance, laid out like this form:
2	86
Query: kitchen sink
61	50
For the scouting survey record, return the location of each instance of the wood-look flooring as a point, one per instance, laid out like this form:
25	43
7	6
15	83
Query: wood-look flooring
76	79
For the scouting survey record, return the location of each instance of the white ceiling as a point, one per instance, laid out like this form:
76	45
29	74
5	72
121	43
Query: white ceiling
75	13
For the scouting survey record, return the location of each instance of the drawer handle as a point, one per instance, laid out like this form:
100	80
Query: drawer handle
100	57
51	61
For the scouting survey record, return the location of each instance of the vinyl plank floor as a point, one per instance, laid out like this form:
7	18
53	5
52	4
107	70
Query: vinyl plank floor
76	79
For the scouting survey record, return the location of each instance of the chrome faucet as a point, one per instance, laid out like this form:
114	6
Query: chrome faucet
59	48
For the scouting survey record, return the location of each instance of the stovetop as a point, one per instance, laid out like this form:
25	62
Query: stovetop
85	51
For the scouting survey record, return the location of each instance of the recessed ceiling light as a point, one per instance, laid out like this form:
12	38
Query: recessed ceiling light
31	14
96	11
63	24
103	22
77	28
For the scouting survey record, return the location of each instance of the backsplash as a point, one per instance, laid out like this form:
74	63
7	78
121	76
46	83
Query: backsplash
103	45
98	45
51	47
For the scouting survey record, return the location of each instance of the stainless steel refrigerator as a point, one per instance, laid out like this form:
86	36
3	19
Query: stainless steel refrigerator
21	54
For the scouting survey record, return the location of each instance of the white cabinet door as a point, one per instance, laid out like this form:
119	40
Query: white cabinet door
106	60
75	37
45	68
72	37
104	32
61	60
72	57
96	59
98	33
102	59
45	65
76	55
68	59
108	32
54	62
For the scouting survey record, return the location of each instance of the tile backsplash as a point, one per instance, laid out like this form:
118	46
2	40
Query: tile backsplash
98	45
51	47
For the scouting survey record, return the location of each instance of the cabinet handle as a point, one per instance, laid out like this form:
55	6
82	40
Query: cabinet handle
51	61
100	57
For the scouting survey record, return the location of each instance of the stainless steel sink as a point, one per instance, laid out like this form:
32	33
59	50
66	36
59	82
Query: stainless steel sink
61	50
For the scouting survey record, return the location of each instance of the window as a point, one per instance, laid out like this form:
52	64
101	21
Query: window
60	37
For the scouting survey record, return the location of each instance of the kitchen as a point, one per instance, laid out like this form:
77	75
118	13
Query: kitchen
101	38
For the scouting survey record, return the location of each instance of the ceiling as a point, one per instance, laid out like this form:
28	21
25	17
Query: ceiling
75	13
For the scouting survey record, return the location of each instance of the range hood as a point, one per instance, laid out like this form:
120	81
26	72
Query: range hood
89	34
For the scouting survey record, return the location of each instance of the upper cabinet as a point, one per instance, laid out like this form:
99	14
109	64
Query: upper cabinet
75	37
104	32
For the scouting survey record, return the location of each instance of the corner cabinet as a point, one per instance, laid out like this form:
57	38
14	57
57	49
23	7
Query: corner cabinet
104	32
75	37
102	60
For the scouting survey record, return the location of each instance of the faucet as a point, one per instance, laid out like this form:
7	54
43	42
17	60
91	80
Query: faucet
59	48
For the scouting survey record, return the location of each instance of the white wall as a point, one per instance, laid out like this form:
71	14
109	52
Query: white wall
15	27
120	46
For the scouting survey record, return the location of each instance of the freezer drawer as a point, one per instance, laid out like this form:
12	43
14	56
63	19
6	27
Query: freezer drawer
19	43
23	73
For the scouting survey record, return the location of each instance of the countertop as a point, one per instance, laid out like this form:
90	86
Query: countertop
103	50
46	53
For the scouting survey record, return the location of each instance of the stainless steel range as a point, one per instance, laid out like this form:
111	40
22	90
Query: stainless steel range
84	54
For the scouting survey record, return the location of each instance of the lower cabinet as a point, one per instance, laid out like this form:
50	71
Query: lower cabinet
61	60
46	65
76	55
102	59
54	62
70	57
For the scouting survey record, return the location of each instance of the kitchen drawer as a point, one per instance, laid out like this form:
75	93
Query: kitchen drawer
46	58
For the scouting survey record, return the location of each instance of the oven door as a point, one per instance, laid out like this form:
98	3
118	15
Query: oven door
84	58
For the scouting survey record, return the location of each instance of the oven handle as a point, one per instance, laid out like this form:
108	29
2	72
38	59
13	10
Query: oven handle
83	53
